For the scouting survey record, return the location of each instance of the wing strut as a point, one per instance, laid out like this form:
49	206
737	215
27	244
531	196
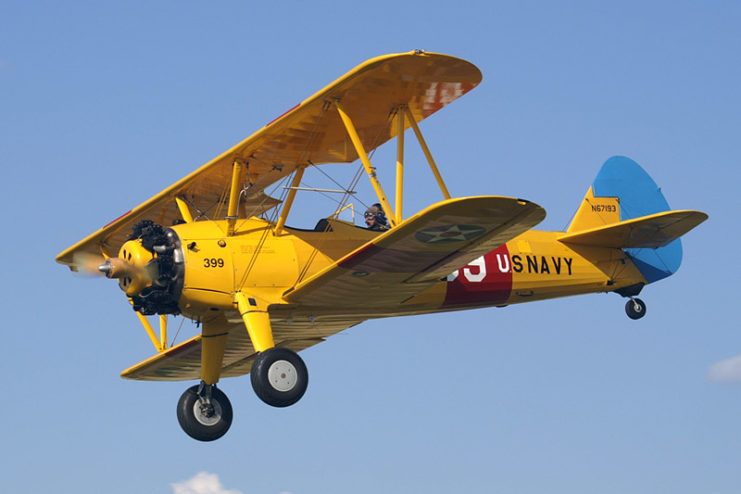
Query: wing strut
184	211
401	112
289	200
159	343
355	138
231	215
426	150
400	164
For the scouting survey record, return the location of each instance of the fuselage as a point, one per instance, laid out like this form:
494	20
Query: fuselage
532	266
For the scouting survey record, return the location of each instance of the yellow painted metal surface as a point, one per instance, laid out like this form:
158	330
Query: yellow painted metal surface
537	265
150	332
184	210
405	260
424	82
652	231
399	203
213	346
207	256
235	190
163	331
550	269
369	170
289	200
254	312
134	254
294	288
428	155
292	329
595	212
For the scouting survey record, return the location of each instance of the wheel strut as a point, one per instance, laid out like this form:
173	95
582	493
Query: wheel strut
205	393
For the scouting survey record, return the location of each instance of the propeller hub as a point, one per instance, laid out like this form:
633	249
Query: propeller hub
115	267
105	268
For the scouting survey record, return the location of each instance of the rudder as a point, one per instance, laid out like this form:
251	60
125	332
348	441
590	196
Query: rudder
622	191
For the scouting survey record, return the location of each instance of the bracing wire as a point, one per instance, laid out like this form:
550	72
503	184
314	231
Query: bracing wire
182	320
343	201
272	217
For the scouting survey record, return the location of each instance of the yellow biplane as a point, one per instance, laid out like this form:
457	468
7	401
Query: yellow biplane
214	247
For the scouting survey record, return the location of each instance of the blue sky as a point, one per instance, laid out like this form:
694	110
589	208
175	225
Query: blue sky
103	104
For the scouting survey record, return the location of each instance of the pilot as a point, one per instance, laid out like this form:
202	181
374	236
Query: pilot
375	219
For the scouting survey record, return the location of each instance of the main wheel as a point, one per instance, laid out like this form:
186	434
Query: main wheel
201	421
279	377
635	308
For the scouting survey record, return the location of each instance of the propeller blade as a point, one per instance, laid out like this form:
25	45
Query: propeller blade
87	263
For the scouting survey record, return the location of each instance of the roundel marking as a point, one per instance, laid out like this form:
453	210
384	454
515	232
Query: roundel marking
449	233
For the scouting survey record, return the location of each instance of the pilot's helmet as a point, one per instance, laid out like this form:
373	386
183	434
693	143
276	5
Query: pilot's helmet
376	211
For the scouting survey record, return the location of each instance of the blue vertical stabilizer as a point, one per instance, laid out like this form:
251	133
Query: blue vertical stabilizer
638	196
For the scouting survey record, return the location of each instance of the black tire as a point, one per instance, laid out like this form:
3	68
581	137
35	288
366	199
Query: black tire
196	424
279	377
635	308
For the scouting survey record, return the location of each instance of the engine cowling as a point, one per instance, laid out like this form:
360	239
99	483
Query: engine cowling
150	269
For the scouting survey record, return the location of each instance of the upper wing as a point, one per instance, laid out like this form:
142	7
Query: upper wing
311	133
430	245
652	231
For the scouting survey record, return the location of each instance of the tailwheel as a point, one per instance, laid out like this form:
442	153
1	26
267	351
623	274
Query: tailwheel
279	377
204	412
635	308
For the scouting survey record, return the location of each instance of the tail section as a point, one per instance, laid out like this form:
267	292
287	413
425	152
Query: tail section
622	192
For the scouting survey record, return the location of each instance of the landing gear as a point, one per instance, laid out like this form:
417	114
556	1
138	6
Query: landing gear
635	308
279	377
204	412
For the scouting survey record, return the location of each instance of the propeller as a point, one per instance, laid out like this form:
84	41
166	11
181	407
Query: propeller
86	263
132	278
113	267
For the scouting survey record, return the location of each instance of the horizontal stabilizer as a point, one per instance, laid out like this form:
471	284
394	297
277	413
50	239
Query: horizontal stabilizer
652	231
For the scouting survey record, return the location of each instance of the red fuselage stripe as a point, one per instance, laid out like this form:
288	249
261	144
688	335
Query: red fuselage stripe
476	284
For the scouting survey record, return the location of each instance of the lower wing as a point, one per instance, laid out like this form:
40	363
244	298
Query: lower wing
183	362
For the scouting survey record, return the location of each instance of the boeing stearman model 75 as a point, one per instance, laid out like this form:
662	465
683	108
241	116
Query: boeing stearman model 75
214	247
